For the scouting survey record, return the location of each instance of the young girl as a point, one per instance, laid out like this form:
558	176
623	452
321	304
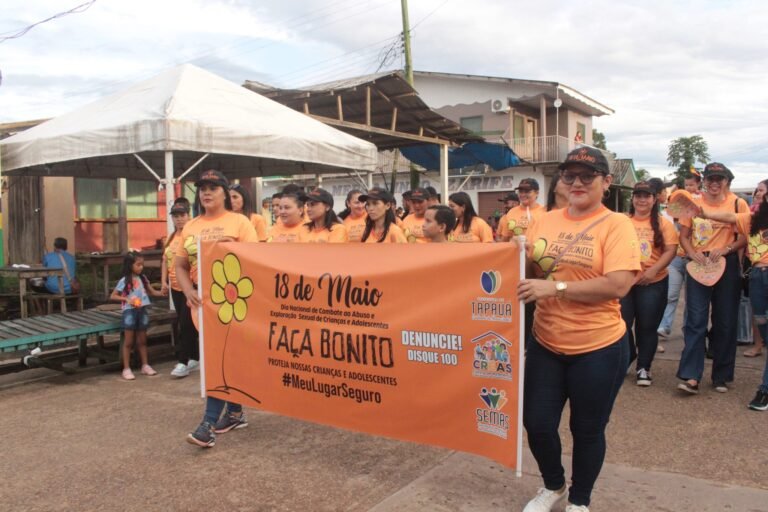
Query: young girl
133	290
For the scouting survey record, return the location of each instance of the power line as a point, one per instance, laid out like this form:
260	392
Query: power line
75	10
422	20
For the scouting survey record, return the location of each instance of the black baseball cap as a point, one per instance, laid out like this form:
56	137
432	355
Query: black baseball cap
528	183
419	194
588	157
179	208
320	195
644	187
377	193
212	176
511	196
717	169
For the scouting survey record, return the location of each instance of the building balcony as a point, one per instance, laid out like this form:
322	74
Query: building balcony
549	149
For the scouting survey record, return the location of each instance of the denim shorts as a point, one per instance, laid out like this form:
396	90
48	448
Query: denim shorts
135	319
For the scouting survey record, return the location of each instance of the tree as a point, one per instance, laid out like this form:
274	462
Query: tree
598	140
684	152
642	174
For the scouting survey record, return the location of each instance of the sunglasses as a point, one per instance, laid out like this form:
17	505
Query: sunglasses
716	178
586	178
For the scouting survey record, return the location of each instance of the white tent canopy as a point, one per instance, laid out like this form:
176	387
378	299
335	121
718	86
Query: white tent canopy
175	119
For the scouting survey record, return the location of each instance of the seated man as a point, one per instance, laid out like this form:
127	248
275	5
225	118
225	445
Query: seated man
57	259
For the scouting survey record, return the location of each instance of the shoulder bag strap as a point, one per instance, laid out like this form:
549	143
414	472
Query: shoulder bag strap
64	266
572	242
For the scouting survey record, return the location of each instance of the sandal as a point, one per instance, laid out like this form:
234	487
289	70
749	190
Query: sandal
753	352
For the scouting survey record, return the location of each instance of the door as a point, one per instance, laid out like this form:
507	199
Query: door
25	219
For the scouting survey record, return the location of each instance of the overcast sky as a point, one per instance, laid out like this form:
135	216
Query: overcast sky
668	68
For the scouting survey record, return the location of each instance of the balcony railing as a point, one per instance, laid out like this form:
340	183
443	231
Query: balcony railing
549	149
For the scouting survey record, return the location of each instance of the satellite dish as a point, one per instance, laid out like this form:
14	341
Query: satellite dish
558	103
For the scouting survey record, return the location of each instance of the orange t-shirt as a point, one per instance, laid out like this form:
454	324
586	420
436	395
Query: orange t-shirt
170	254
708	234
414	229
479	231
394	236
260	225
757	244
336	235
355	227
227	225
282	234
567	326
517	220
649	254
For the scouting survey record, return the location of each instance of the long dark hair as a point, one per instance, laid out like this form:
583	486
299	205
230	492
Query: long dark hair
329	219
389	219
551	195
760	217
200	208
658	238
128	261
347	211
463	199
247	201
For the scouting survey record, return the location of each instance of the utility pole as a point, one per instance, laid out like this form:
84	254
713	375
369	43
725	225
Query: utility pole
408	72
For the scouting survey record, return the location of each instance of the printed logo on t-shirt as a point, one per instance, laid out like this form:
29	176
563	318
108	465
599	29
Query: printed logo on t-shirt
646	249
702	232
190	246
757	245
542	263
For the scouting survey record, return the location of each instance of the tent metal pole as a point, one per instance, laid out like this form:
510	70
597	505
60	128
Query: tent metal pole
193	166
444	173
170	189
147	167
122	215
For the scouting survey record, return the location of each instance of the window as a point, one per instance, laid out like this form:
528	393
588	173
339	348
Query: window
97	199
519	127
581	131
474	124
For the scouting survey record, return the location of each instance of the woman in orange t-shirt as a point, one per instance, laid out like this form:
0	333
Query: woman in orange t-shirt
469	227
582	260
380	226
354	216
643	307
323	225
242	203
291	227
180	217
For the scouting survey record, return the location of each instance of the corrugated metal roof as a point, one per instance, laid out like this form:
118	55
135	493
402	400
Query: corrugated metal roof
398	116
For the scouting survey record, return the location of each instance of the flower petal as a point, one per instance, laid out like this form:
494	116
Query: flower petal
241	308
244	288
217	294
225	313
217	270
232	268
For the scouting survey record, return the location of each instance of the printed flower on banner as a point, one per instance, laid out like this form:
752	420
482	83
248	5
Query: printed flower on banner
229	289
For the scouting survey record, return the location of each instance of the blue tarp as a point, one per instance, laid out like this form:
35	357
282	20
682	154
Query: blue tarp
497	156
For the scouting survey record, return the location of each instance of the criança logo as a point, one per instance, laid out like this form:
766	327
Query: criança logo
490	281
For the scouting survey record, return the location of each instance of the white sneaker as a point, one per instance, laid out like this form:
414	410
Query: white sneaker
180	370
545	500
193	365
575	508
663	333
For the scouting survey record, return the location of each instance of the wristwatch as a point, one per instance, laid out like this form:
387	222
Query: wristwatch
560	288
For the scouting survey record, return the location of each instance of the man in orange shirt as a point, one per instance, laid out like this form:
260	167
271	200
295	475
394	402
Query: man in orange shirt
413	223
517	220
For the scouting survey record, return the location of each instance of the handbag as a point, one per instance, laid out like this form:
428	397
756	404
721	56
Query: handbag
74	284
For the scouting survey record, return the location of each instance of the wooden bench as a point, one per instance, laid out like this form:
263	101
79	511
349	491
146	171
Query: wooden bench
50	298
52	331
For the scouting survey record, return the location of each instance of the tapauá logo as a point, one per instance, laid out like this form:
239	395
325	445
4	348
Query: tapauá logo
490	419
490	281
491	356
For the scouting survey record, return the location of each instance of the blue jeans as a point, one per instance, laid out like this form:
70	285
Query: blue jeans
758	296
215	406
591	383
677	275
642	308
724	298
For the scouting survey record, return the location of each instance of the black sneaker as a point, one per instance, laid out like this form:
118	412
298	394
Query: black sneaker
692	389
760	402
643	377
203	436
230	421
